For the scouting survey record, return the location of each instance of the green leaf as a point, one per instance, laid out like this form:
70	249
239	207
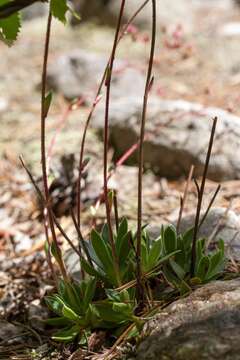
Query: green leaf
72	298
55	252
54	303
92	318
170	239
156	270
105	233
144	256
221	245
124	249
47	103
182	258
69	313
117	296
179	271
200	250
9	27
58	321
67	334
123	229
103	253
187	239
89	292
62	288
59	9
155	253
101	249
217	263
122	240
122	308
93	255
171	278
202	267
91	271
184	288
107	313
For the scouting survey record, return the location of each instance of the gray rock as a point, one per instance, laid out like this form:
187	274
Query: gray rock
204	325
220	223
79	73
177	136
106	12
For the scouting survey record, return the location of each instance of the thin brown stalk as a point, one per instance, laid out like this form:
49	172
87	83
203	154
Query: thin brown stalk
141	141
43	147
96	100
80	236
115	206
184	198
197	186
209	206
106	125
43	204
33	181
64	234
82	148
49	258
200	196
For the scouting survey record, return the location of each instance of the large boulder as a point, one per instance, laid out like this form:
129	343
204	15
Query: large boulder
177	136
106	12
78	74
204	325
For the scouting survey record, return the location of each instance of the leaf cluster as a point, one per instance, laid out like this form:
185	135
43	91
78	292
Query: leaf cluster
208	265
79	309
99	302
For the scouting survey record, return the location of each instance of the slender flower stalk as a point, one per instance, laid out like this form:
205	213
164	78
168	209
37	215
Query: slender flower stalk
106	133
184	198
95	102
43	148
200	196
149	81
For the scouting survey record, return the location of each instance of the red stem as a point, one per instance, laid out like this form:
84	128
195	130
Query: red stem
43	147
106	125
149	81
96	100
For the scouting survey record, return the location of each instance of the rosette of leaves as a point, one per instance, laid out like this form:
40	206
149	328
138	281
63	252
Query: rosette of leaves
79	312
153	254
100	261
209	265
